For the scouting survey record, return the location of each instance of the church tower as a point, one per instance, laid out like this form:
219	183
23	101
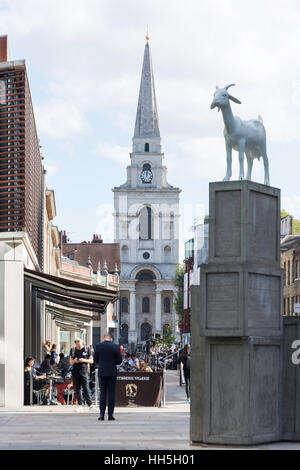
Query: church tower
146	211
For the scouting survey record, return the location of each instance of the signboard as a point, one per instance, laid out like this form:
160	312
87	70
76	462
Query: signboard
139	388
297	308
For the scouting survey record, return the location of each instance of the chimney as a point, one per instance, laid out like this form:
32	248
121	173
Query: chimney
3	49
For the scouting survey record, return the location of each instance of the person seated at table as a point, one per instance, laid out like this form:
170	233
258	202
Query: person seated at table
144	367
124	367
39	381
45	367
133	362
60	395
64	365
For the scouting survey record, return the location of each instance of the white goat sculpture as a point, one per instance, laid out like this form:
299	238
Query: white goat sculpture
246	137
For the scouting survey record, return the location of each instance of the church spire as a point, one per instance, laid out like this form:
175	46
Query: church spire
146	134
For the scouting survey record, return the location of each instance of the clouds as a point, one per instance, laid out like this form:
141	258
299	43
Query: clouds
291	204
91	52
113	153
85	58
59	119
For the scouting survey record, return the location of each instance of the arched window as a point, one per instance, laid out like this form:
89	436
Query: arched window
145	226
167	305
124	305
147	147
167	254
145	276
124	254
145	331
146	305
124	334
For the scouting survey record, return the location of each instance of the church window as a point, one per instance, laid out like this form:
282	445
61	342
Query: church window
124	334
147	147
167	254
145	226
167	305
124	305
146	255
146	305
145	331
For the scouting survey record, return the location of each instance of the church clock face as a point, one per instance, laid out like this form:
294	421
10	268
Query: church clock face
146	175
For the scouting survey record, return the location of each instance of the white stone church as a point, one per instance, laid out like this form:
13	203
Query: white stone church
146	210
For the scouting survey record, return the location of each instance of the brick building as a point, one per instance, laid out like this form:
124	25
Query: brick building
290	263
21	170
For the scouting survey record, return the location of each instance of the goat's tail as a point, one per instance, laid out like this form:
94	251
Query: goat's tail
260	119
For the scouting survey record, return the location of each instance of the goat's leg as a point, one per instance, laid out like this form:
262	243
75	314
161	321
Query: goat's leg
229	163
266	165
241	159
250	165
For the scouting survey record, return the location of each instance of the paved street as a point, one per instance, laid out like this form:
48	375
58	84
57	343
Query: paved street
57	427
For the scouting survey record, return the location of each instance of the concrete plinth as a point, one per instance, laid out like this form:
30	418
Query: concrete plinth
236	323
11	326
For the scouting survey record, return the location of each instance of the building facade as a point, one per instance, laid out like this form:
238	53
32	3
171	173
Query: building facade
96	263
290	263
146	212
21	169
196	254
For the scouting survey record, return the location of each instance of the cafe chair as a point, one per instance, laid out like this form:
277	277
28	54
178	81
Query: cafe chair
69	393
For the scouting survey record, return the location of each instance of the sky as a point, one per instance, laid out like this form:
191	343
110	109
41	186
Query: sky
84	61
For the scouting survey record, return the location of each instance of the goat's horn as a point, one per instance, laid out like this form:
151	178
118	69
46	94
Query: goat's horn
228	86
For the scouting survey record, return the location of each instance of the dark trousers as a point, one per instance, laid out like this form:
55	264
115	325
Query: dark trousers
107	394
186	374
81	380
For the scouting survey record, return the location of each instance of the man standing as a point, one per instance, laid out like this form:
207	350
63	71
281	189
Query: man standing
80	357
107	356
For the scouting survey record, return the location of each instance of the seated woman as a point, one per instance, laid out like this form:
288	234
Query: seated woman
38	381
46	367
144	367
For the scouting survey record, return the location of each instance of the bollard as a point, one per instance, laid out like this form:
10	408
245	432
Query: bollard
165	384
31	388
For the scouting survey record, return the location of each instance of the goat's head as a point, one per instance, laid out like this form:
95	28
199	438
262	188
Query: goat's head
222	97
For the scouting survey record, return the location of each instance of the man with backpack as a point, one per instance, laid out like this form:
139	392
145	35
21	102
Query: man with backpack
80	358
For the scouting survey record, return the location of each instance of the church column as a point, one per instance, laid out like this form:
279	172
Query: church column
158	312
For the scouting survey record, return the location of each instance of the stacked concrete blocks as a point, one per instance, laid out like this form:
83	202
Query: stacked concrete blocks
236	320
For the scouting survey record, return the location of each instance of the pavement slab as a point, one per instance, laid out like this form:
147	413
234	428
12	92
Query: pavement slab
59	428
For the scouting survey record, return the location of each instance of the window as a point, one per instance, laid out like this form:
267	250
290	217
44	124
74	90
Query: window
147	147
167	254
145	331
289	273
167	305
145	226
124	334
146	305
124	305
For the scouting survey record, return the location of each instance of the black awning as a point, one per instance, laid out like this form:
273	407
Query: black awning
70	294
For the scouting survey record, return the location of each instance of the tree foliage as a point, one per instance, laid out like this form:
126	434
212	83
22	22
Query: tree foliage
179	292
168	338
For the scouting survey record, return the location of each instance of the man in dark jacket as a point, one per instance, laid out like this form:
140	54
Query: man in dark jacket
107	356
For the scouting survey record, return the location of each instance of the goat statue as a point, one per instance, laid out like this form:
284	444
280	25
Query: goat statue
246	137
